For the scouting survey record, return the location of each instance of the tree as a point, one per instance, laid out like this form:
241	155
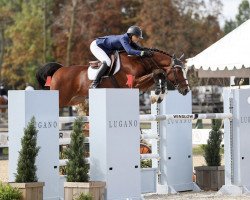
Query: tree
76	167
71	32
243	12
242	16
90	22
47	24
229	26
177	27
26	168
212	148
5	21
25	52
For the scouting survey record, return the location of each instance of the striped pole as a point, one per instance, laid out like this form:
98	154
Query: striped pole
148	118
185	116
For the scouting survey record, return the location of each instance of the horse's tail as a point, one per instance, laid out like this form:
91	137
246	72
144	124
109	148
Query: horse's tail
47	70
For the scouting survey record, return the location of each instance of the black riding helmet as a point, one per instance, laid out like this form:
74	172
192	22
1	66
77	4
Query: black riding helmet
135	30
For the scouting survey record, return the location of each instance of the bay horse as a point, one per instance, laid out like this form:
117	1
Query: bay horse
158	70
3	104
3	107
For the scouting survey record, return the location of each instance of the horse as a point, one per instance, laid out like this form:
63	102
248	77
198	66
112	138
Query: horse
3	104
145	72
3	107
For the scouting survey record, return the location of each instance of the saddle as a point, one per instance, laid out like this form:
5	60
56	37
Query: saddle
96	64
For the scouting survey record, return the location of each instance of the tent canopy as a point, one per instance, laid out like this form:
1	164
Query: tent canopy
232	52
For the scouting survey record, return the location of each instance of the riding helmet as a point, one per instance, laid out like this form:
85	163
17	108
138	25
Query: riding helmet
135	30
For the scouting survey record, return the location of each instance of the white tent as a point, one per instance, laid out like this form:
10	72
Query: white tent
232	52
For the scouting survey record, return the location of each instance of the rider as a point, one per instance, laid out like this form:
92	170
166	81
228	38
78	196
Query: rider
103	47
3	92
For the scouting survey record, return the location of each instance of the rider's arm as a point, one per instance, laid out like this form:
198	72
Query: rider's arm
128	48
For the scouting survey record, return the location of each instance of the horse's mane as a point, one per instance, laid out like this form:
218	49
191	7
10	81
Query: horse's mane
160	51
151	49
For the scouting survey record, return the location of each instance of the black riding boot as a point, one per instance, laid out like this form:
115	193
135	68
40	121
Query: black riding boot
96	82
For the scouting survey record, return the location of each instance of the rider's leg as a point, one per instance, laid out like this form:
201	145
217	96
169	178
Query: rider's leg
104	58
102	71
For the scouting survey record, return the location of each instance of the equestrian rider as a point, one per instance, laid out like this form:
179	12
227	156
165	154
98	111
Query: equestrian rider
103	47
3	92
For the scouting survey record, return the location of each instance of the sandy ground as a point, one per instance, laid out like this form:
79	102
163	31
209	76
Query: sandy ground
197	161
3	170
196	195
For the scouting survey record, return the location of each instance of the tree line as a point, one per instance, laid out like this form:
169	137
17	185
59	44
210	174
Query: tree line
33	32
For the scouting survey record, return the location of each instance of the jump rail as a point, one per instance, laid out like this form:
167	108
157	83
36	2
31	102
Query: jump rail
148	117
186	116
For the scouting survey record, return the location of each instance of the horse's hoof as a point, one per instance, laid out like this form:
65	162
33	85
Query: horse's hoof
159	100
157	91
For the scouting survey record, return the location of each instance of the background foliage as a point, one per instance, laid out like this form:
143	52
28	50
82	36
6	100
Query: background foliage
33	32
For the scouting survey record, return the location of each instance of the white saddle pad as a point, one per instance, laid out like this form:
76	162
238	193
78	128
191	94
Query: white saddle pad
92	73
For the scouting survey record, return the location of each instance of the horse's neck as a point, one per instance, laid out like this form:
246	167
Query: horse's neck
132	65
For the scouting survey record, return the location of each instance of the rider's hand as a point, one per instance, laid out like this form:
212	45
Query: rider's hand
146	53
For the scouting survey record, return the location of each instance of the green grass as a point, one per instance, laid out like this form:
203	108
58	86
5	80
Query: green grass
199	151
5	151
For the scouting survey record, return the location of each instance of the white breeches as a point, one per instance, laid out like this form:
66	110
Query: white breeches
99	53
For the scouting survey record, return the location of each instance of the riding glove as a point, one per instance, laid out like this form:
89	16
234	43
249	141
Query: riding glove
146	53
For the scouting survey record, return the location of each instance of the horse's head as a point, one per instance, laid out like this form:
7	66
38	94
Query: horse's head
168	69
176	74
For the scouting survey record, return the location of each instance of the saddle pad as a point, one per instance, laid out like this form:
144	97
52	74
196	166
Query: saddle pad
92	73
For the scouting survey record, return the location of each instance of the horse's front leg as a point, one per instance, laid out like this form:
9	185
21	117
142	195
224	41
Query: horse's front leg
163	91
160	85
160	89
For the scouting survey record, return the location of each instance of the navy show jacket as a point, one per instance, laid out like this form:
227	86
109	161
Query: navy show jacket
112	43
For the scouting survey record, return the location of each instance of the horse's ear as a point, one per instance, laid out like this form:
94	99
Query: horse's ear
182	56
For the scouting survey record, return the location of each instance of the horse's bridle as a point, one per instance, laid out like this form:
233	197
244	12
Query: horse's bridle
175	63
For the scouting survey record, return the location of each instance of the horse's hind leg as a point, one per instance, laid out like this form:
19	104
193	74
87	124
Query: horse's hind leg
81	105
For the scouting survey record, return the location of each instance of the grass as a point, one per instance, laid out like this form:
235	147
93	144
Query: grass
5	151
198	150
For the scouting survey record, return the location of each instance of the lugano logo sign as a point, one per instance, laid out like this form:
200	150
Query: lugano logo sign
122	123
47	124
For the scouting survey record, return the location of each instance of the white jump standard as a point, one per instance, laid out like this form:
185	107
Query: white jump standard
115	142
44	106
